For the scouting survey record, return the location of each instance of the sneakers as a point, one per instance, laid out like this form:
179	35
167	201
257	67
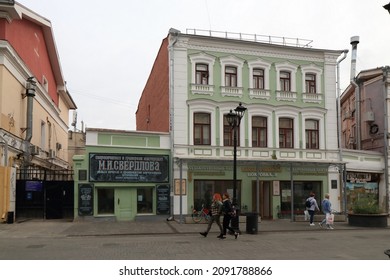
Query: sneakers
236	234
320	225
221	237
312	224
203	233
330	227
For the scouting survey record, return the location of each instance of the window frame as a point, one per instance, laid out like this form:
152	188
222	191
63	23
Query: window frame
311	84
260	131
201	126
286	133
203	74
311	133
285	83
258	80
230	77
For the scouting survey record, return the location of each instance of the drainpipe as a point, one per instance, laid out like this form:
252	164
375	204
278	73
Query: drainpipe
385	133
173	34
30	94
342	166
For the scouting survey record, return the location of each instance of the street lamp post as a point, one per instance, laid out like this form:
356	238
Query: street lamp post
234	120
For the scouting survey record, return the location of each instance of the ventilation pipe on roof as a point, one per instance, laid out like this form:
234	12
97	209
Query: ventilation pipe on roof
354	43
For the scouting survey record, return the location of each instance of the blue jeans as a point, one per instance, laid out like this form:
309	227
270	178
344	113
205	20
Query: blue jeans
311	213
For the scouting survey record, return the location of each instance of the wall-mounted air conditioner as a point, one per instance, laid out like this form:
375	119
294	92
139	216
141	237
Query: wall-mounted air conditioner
34	150
52	153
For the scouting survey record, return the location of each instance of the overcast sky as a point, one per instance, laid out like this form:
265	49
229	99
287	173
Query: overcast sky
107	48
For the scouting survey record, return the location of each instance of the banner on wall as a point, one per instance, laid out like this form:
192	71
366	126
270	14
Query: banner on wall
128	168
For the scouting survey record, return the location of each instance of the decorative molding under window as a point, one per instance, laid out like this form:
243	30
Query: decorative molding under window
259	93
286	96
231	91
312	97
202	89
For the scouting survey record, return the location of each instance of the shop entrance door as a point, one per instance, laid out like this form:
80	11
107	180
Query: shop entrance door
265	199
125	200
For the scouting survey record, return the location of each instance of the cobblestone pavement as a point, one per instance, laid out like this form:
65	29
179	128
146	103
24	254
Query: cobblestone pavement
161	239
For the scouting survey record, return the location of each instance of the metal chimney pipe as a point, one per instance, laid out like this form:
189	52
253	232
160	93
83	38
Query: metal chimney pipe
354	43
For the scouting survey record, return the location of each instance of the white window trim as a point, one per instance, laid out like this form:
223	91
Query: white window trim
261	112
259	64
289	68
313	115
206	59
290	114
232	61
202	108
315	70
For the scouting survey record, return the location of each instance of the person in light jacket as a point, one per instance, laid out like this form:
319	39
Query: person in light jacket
327	210
313	207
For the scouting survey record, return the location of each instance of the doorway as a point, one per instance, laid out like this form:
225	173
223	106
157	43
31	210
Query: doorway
264	199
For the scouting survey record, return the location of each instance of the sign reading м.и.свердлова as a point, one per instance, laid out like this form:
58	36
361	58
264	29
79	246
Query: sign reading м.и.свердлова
128	168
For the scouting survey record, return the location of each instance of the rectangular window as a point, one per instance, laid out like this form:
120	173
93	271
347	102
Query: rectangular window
258	78
230	76
202	74
285	81
259	131
310	83
204	190
105	201
286	133
228	134
43	135
312	134
202	129
302	190
144	200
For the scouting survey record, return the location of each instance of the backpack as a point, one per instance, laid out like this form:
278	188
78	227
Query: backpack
308	203
233	211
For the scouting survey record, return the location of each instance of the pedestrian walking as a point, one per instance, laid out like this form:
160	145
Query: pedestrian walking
327	210
216	211
227	210
311	206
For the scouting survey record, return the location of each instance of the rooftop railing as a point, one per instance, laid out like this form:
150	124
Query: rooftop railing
285	41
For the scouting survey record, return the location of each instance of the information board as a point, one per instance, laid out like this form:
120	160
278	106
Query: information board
163	199
85	199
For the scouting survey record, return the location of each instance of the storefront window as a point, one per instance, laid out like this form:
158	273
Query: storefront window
105	201
144	200
302	191
360	186
204	190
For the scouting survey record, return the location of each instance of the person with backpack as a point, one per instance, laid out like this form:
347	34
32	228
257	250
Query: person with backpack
216	211
228	212
311	206
327	210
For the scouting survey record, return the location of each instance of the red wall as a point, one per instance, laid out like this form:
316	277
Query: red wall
28	41
153	106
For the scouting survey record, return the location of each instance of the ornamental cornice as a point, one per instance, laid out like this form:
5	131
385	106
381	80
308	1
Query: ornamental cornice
265	52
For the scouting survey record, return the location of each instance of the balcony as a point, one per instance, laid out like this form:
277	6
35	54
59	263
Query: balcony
286	96
259	93
231	91
202	89
312	97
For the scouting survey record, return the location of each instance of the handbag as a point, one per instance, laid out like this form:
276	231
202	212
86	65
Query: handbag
307	216
329	218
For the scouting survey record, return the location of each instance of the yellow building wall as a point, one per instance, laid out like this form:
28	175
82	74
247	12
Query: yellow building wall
4	191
